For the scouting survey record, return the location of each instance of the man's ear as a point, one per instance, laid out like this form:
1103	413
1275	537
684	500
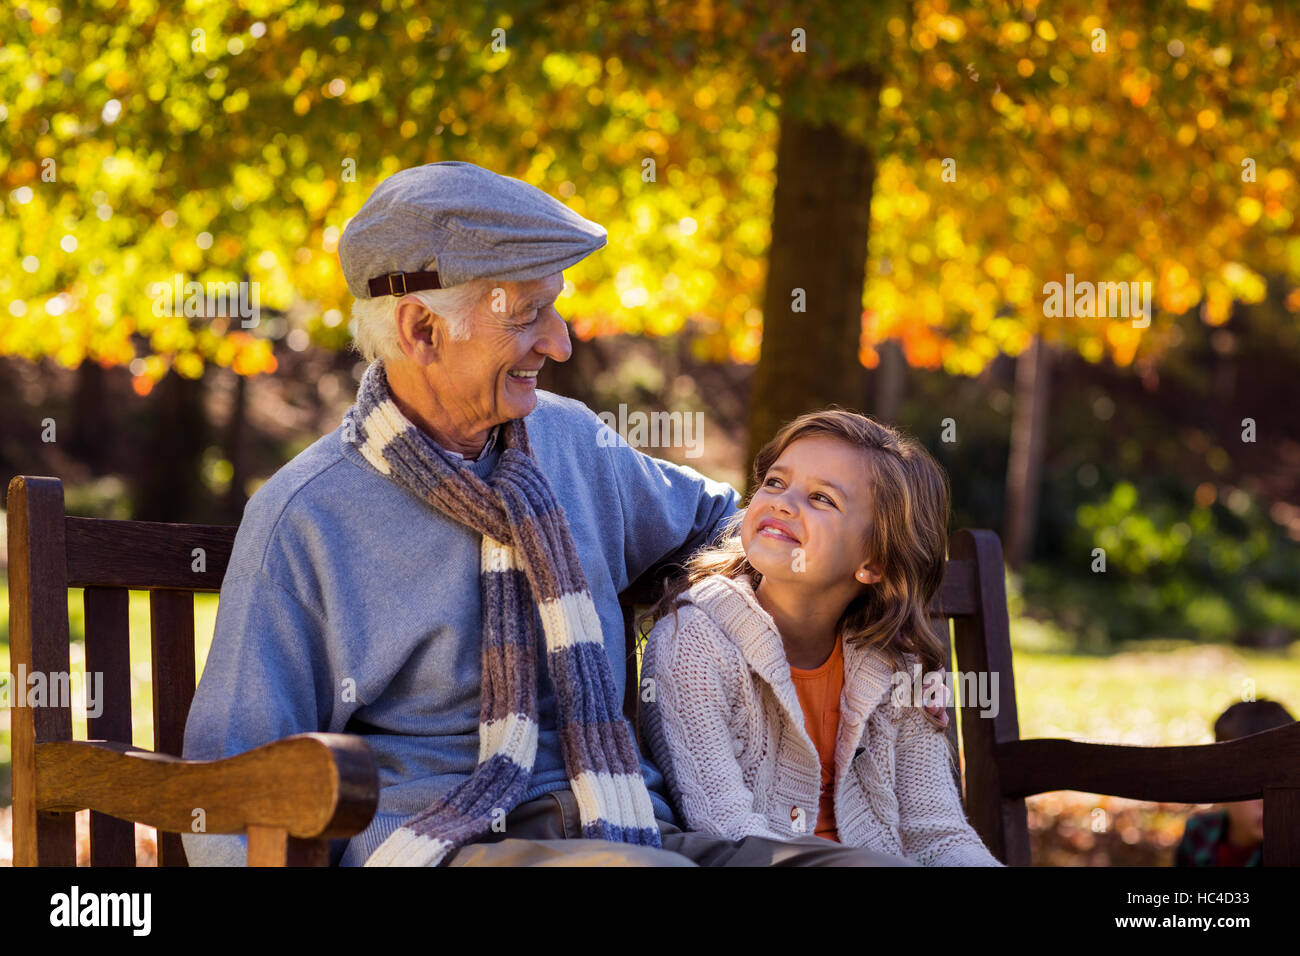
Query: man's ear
419	331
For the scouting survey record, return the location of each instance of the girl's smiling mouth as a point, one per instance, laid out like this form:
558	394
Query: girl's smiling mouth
778	530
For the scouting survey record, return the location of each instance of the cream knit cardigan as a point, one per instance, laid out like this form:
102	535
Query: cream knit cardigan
723	721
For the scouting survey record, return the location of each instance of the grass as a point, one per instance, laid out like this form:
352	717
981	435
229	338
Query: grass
205	615
1153	693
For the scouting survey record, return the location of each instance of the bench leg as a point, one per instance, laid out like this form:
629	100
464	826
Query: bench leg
272	846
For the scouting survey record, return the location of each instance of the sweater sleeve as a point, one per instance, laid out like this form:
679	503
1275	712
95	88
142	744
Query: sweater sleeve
931	820
669	511
262	681
688	730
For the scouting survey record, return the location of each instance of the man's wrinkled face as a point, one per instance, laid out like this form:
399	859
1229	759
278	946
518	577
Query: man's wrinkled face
491	377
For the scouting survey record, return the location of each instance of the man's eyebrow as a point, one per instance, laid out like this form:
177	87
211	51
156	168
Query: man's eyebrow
822	481
536	302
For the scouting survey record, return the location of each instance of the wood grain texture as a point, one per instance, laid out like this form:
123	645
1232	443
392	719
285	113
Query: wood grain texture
38	643
171	635
1240	769
311	785
146	555
108	654
171	640
1282	825
273	846
983	642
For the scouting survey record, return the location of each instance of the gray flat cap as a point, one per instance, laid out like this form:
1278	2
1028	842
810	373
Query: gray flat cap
474	223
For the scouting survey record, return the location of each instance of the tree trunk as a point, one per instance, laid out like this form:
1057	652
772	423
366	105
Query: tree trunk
169	484
1220	396
232	503
820	221
887	393
91	423
1028	431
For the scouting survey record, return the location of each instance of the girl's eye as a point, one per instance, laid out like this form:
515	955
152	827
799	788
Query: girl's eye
815	494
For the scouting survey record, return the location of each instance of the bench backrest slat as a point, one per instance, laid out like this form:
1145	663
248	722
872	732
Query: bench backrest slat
38	644
958	595
171	636
108	654
147	555
983	644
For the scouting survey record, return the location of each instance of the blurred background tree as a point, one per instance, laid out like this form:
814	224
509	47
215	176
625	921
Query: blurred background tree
831	203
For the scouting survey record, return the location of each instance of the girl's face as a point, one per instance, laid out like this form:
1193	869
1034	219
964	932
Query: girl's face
808	521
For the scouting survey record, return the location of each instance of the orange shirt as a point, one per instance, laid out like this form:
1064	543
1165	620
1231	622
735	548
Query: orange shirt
819	695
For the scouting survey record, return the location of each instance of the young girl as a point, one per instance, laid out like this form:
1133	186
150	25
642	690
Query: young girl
775	710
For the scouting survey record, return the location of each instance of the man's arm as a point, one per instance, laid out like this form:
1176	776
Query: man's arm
669	510
264	680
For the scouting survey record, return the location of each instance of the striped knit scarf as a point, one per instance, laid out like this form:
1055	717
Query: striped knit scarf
529	568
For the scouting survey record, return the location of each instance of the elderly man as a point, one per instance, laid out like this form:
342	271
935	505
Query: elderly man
440	574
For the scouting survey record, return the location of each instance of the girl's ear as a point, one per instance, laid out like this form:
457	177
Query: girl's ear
867	573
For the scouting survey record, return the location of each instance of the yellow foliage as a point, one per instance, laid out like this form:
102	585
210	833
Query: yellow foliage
1042	185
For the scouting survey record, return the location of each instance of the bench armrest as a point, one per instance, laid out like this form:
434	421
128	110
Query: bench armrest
1264	765
1240	769
311	786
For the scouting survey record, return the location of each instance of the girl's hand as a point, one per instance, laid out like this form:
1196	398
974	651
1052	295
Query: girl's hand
941	691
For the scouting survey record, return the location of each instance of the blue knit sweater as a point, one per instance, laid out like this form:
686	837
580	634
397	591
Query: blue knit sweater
340	578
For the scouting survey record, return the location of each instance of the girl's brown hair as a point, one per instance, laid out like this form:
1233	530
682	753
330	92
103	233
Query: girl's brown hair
907	539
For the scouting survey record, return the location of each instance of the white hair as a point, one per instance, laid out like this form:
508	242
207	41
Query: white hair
376	318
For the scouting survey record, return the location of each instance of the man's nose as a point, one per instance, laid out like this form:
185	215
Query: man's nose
554	344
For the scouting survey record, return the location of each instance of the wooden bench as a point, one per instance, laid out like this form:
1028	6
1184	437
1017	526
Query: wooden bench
292	796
